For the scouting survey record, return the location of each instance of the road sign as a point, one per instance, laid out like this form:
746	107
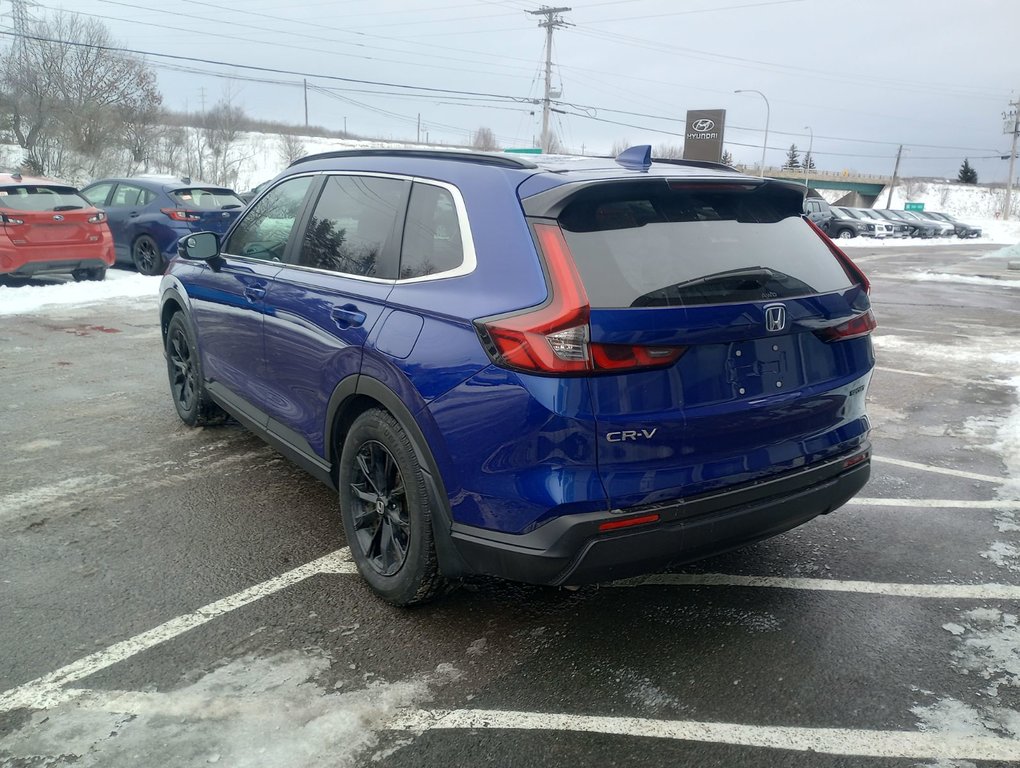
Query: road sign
913	207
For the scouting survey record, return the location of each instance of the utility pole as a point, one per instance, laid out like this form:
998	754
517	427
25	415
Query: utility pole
201	98
1014	113
306	101
19	11
552	21
895	170
418	140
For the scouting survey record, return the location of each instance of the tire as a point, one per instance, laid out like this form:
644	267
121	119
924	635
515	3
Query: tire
385	510
184	369
845	234
147	257
95	273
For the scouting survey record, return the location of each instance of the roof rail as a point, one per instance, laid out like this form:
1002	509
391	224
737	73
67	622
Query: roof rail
694	163
482	158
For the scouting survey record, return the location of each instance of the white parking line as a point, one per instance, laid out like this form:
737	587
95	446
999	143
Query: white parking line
952	379
936	503
935	591
939	470
831	741
45	691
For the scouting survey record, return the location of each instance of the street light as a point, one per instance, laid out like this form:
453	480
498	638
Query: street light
811	143
768	113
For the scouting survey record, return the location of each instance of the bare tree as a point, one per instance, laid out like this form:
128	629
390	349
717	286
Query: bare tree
290	148
223	127
669	151
67	93
484	139
618	146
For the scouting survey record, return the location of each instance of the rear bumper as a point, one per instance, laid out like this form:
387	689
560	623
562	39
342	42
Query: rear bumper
38	260
572	550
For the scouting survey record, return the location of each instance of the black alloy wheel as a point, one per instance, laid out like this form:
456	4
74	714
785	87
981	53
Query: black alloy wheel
382	524
387	511
145	253
183	384
184	369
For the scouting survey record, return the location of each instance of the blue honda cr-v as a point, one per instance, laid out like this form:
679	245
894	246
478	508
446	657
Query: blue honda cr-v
559	371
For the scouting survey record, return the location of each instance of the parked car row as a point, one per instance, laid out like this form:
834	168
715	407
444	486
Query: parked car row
845	222
48	227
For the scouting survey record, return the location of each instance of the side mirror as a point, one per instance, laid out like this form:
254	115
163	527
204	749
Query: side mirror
201	246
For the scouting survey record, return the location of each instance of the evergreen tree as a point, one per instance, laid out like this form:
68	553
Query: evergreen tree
792	158
727	158
967	174
809	162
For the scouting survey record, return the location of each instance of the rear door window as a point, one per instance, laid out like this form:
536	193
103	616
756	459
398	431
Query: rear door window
126	196
353	227
690	246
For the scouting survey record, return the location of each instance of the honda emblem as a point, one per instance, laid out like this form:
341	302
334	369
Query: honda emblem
775	318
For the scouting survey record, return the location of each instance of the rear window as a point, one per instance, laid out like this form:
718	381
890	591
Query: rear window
41	198
691	247
207	199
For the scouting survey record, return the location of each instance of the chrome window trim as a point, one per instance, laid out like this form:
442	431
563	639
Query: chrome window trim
466	267
467	241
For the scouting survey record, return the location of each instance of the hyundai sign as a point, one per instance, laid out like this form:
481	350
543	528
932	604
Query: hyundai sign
703	138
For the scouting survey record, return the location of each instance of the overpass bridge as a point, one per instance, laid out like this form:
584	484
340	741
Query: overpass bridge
861	189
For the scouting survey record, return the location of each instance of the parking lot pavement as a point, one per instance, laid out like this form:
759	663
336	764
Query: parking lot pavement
185	596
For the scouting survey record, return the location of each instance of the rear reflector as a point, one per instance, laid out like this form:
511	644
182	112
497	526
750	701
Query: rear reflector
853	461
614	525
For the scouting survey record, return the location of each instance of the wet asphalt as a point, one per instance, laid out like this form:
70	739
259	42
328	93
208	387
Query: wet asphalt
115	518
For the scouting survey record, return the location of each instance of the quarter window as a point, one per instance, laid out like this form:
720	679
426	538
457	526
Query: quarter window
432	237
353	222
263	232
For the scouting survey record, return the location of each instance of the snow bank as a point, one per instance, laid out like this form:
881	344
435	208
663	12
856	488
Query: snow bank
23	299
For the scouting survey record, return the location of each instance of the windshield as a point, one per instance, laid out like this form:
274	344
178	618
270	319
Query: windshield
846	212
42	198
207	199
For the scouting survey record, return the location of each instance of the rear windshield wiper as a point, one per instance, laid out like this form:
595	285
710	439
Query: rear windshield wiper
68	207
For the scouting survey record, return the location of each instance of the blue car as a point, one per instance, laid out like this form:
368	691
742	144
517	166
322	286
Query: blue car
148	215
555	370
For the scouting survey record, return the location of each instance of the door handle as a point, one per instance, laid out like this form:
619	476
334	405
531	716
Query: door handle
254	293
133	214
347	316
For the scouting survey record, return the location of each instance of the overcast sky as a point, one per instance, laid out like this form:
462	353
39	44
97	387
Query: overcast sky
865	75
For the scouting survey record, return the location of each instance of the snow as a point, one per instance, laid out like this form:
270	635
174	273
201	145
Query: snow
943	277
250	713
25	299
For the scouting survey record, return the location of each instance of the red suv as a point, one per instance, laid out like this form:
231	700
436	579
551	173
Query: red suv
47	227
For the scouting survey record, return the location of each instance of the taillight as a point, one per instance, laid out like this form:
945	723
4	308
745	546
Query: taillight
97	218
555	338
5	219
852	269
181	214
853	328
